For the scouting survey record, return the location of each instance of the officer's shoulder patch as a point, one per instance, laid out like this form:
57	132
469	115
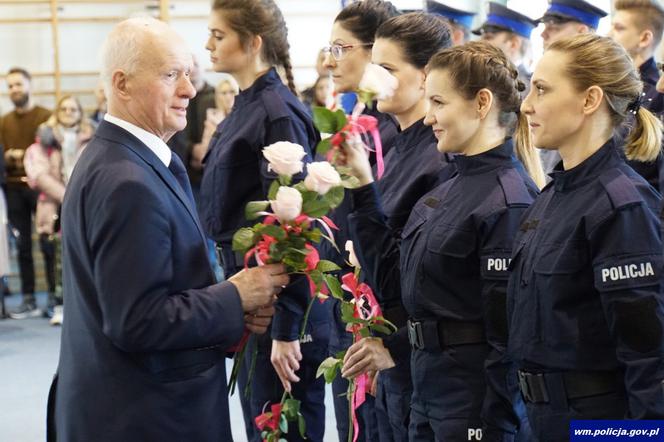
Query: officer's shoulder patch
514	188
620	189
275	106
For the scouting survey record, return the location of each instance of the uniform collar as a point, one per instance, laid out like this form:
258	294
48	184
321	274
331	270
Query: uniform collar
649	72
266	80
606	157
501	155
409	137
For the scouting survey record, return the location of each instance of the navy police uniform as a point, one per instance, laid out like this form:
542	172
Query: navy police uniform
585	303
413	167
457	325
340	339
503	19
235	173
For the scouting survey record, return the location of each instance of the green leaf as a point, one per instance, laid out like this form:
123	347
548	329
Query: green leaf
274	188
347	310
308	196
365	333
250	212
325	266
366	97
380	328
315	208
331	373
325	120
317	276
340	355
283	424
335	286
302	425
324	146
341	118
291	408
243	239
285	180
313	235
326	364
275	231
335	196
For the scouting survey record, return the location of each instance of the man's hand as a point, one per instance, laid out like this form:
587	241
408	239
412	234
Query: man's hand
286	357
364	356
259	320
258	286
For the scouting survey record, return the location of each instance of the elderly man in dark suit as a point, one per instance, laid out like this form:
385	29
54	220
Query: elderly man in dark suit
147	328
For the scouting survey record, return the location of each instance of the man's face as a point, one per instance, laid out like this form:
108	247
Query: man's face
19	89
161	89
503	40
625	32
555	30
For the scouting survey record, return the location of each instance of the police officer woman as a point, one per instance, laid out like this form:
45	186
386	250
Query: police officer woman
451	262
585	294
248	39
413	166
347	56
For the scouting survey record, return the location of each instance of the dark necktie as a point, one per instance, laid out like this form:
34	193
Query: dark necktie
177	168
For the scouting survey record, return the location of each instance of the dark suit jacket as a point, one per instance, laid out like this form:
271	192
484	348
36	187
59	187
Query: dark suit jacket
140	305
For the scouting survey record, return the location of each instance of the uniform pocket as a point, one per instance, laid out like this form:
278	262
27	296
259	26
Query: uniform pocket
451	241
562	259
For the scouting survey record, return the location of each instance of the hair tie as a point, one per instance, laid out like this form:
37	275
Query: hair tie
635	105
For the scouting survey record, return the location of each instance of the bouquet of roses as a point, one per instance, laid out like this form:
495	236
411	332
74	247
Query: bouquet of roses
376	83
362	316
294	223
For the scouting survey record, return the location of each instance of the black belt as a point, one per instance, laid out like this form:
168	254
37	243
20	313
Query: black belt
182	363
437	335
577	384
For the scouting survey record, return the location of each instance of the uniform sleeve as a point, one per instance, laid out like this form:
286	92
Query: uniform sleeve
376	247
129	241
627	263
497	234
293	301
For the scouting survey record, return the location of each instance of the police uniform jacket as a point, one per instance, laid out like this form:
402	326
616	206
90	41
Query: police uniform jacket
235	172
585	290
450	264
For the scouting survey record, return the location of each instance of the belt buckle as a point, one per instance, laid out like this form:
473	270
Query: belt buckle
523	386
415	334
533	387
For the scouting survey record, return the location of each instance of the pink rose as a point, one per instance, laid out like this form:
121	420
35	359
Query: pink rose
285	158
321	177
288	204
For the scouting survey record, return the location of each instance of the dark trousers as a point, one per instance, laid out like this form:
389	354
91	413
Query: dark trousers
48	249
550	421
393	396
21	204
266	387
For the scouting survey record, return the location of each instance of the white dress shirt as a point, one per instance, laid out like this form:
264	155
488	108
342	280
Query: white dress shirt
153	142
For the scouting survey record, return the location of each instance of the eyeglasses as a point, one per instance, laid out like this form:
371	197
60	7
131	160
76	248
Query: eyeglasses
338	51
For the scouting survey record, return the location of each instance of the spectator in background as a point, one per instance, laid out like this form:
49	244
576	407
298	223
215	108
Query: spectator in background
637	26
224	98
17	132
48	165
308	94
100	95
184	141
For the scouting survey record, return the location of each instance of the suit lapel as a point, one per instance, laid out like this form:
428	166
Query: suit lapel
115	133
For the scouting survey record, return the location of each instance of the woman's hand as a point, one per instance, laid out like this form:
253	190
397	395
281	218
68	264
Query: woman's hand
354	154
366	355
285	358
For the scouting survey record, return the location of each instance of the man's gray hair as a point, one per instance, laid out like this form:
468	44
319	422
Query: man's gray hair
122	47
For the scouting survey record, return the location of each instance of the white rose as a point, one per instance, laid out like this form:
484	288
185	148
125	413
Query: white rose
288	204
321	177
351	255
285	158
378	81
